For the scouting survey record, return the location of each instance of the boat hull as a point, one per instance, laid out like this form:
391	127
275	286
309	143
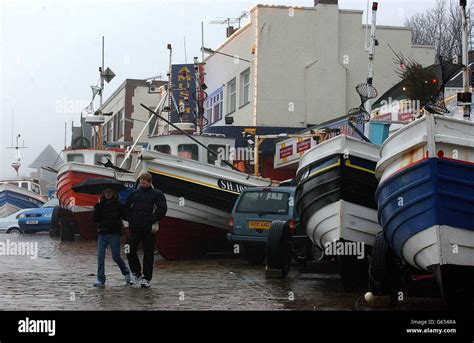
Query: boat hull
335	192
427	210
426	199
13	198
77	208
343	221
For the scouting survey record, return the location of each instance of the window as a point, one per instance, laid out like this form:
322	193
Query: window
231	96
165	149
24	185
264	202
127	165
214	106
221	152
103	158
121	130
75	158
245	87
35	188
189	151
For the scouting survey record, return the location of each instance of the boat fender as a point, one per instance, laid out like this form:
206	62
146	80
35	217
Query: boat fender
369	297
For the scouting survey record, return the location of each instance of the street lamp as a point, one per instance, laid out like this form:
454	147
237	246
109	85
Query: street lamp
210	51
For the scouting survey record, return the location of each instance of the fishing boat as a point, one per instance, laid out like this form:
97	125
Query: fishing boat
426	198
426	195
17	194
81	164
335	196
200	191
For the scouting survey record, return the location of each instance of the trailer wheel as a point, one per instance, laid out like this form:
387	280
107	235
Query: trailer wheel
278	249
55	221
384	274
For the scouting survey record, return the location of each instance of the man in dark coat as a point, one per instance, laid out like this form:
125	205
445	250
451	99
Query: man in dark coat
145	207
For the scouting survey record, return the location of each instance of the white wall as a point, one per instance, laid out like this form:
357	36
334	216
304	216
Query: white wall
308	61
148	99
221	69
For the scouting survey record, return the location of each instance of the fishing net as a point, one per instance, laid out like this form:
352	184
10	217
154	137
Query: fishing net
366	92
358	115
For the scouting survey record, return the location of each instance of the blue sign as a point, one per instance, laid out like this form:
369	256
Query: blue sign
184	88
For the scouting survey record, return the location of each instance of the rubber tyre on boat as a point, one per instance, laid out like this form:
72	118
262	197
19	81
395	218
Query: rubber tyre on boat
278	249
384	274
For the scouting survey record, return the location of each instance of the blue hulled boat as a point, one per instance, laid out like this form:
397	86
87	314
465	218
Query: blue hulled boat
426	198
19	194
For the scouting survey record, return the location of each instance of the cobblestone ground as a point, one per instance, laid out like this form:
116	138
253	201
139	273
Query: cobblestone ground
61	278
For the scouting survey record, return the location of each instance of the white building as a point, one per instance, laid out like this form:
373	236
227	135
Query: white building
128	117
304	64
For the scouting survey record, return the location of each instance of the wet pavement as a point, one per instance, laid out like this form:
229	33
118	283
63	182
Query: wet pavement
61	278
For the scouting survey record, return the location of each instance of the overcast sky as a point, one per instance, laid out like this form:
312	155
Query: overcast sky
51	51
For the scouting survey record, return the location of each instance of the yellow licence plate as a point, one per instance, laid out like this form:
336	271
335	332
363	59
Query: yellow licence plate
259	224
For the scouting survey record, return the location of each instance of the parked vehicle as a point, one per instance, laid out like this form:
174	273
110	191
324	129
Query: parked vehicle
252	215
9	224
37	219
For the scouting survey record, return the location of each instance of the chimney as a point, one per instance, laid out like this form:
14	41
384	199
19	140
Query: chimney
326	2
230	31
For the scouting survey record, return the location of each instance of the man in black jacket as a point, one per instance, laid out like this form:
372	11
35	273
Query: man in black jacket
145	207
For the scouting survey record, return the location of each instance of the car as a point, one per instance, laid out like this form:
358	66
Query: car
38	219
10	224
253	213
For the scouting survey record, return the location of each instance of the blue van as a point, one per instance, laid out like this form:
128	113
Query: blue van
252	216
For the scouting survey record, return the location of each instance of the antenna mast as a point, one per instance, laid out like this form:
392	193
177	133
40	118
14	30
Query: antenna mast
372	44
17	163
465	61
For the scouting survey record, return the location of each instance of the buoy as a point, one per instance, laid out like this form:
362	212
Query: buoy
369	297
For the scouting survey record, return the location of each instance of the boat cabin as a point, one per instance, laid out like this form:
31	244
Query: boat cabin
25	184
99	157
182	146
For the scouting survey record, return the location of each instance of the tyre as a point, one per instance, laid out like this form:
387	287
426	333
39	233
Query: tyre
278	249
384	273
55	222
15	230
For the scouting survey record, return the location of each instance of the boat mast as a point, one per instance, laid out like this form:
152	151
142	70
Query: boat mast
170	82
100	141
465	62
373	43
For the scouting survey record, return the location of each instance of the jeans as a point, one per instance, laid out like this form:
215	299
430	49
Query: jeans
114	241
138	235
